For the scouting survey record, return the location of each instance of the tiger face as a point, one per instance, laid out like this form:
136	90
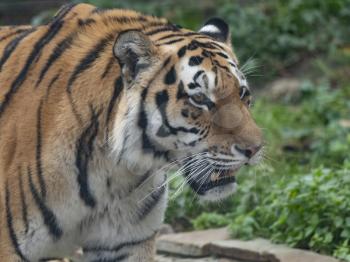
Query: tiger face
189	102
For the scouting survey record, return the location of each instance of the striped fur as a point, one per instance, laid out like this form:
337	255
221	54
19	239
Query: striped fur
92	104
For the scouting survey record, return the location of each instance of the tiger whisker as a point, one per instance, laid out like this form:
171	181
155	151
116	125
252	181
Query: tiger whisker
203	179
175	175
167	167
188	178
179	172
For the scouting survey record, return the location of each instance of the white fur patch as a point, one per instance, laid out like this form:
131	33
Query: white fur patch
219	193
210	29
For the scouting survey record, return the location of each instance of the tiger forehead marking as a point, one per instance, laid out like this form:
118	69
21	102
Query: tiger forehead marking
92	106
198	69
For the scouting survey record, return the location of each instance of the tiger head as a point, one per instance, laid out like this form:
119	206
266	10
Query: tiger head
187	101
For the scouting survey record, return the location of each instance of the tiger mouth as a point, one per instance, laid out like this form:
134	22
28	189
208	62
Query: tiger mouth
217	178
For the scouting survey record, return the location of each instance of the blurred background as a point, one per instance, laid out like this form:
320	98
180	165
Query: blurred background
296	55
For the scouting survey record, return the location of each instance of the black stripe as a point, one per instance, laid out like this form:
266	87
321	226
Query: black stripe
108	66
153	24
172	42
47	214
181	91
48	259
85	146
57	53
218	46
162	98
86	22
118	88
53	80
89	59
208	45
51	32
165	28
65	9
215	62
147	145
125	139
195	60
23	202
207	53
181	51
10	227
232	64
169	36
193	45
126	19
198	74
114	259
193	85
75	112
207	37
222	55
142	121
204	100
170	77
18	31
39	169
116	248
150	202
194	34
11	46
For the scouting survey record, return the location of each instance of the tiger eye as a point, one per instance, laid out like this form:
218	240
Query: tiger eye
199	98
202	99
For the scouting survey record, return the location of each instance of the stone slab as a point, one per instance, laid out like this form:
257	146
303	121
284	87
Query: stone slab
179	259
261	250
192	244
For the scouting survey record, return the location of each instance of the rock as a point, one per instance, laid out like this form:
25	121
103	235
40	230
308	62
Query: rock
181	224
192	244
345	123
283	88
165	229
261	250
243	250
179	259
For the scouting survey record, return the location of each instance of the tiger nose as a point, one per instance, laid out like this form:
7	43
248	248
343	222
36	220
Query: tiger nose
249	152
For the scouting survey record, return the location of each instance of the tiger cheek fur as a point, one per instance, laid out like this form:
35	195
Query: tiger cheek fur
92	105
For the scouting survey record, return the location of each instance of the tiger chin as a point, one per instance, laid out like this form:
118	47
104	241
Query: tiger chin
94	106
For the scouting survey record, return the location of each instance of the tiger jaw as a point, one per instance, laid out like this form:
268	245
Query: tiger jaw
221	182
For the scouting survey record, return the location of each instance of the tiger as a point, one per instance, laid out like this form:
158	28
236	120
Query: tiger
94	106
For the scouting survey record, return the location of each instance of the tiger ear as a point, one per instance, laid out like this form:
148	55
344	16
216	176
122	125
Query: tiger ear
217	29
134	50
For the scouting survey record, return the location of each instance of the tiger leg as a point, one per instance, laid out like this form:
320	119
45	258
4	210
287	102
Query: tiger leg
131	251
